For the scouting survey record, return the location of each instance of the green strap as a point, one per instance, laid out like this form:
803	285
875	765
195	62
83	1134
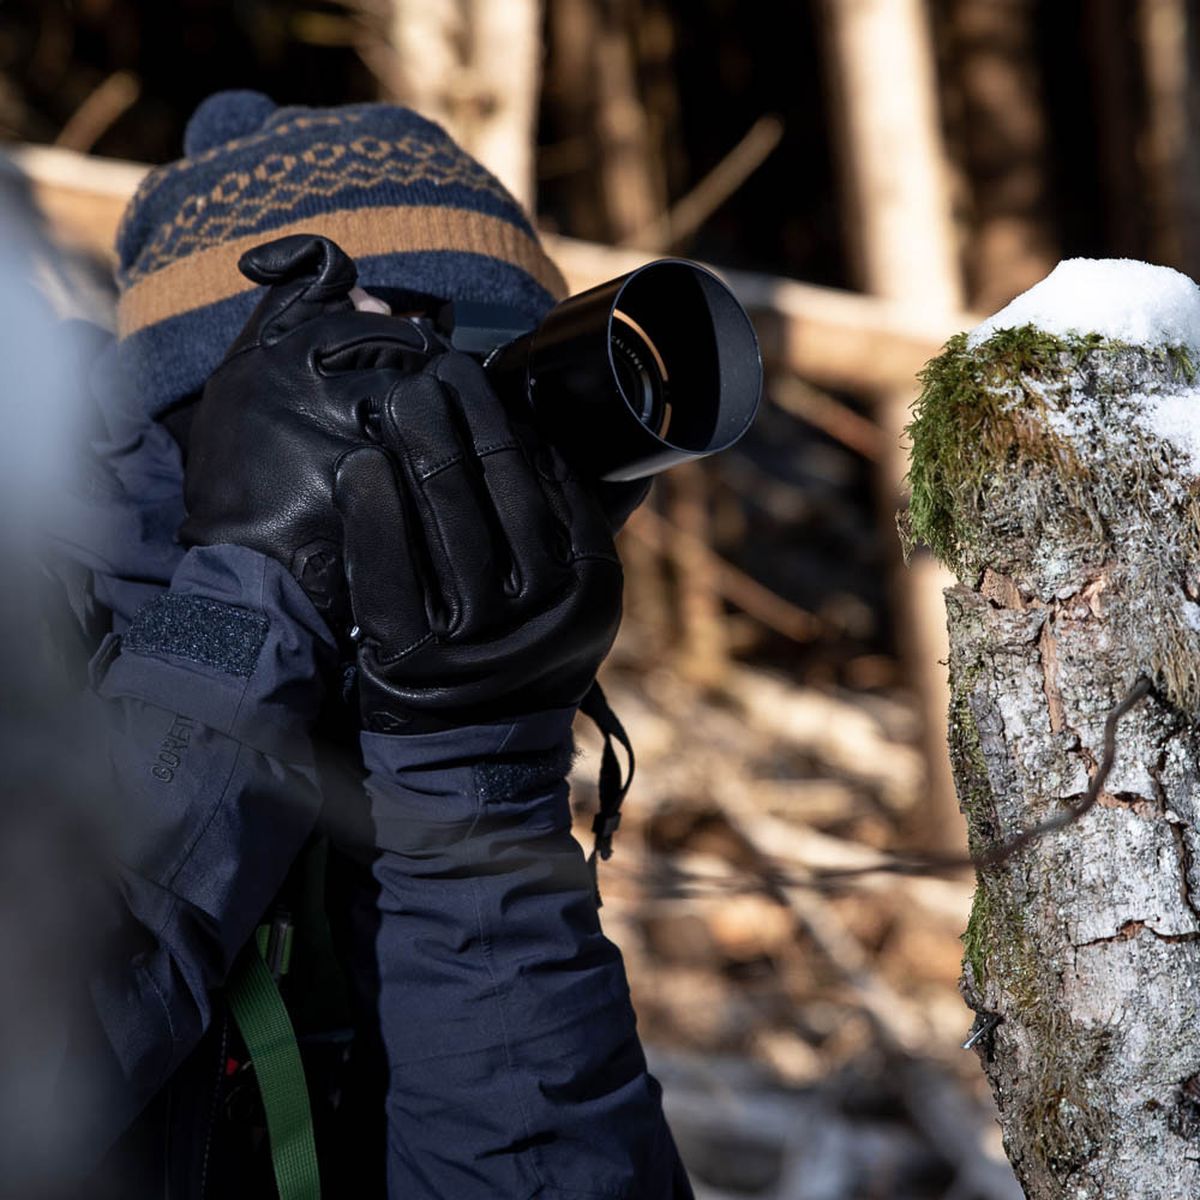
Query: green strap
267	1031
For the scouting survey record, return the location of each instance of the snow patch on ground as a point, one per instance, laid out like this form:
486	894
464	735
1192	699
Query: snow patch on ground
1118	298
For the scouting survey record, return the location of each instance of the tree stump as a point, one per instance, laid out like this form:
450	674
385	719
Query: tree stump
1056	473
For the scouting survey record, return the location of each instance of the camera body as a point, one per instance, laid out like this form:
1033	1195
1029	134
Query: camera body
629	378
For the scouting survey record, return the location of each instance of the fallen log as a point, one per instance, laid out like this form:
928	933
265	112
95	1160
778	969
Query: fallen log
834	338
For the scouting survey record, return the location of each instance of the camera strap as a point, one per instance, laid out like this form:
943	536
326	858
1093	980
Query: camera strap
612	788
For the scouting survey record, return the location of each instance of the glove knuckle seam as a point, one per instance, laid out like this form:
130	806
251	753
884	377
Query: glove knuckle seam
403	652
487	450
426	475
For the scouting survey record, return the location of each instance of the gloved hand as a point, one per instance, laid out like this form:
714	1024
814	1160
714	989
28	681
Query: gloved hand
619	500
286	404
482	574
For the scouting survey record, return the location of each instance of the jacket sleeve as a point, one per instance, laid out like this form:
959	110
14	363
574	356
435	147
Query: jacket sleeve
207	700
514	1065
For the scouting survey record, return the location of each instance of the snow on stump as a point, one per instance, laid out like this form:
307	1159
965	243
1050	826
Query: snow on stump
1056	469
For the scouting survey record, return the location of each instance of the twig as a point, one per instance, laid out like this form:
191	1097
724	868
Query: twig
1015	844
843	424
681	883
834	338
684	217
102	108
735	585
920	864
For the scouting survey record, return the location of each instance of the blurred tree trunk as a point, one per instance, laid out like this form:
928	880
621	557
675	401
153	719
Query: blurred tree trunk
594	44
633	194
904	243
594	87
1168	36
571	92
990	57
1109	33
474	66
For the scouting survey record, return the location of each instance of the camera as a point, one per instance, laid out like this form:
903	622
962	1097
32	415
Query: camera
628	378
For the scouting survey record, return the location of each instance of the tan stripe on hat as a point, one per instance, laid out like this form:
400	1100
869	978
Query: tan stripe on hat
211	275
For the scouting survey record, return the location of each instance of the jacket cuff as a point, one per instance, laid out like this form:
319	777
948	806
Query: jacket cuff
429	792
234	644
398	756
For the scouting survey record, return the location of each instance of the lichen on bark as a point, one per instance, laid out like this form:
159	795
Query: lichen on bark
1074	529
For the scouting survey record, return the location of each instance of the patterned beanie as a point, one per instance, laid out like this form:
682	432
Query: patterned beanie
420	217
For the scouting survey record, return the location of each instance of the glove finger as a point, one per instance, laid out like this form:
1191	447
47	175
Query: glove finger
468	560
537	541
591	536
359	341
306	276
386	596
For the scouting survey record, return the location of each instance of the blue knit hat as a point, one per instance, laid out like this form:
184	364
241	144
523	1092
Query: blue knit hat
418	215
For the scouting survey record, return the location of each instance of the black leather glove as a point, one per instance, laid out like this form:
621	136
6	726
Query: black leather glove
619	500
482	574
287	403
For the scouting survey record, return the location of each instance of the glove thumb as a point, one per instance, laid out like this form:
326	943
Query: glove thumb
306	276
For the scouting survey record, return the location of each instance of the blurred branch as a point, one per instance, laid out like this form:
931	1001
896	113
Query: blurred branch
840	422
315	28
81	198
684	217
835	732
729	581
103	107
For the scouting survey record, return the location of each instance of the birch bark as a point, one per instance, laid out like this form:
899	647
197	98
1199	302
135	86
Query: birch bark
1071	524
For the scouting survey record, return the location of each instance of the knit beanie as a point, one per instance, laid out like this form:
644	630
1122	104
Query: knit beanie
420	217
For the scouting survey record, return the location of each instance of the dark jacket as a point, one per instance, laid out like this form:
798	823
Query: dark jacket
495	1047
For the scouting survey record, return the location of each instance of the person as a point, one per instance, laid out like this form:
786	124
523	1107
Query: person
305	516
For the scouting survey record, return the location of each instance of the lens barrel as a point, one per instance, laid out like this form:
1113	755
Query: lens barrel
645	371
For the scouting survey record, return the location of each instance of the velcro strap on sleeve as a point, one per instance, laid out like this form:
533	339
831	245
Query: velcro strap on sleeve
513	776
204	631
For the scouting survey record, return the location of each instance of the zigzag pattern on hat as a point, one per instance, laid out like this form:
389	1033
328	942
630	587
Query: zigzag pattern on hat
264	196
160	176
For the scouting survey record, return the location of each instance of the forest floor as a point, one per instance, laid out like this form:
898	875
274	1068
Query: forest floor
808	1032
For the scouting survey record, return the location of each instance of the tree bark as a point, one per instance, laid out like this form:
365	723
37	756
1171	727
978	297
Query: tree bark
1072	526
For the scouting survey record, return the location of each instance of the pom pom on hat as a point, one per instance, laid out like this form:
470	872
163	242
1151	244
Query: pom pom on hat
224	116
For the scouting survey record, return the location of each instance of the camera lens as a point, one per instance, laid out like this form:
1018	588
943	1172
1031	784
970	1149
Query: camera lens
640	373
637	374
